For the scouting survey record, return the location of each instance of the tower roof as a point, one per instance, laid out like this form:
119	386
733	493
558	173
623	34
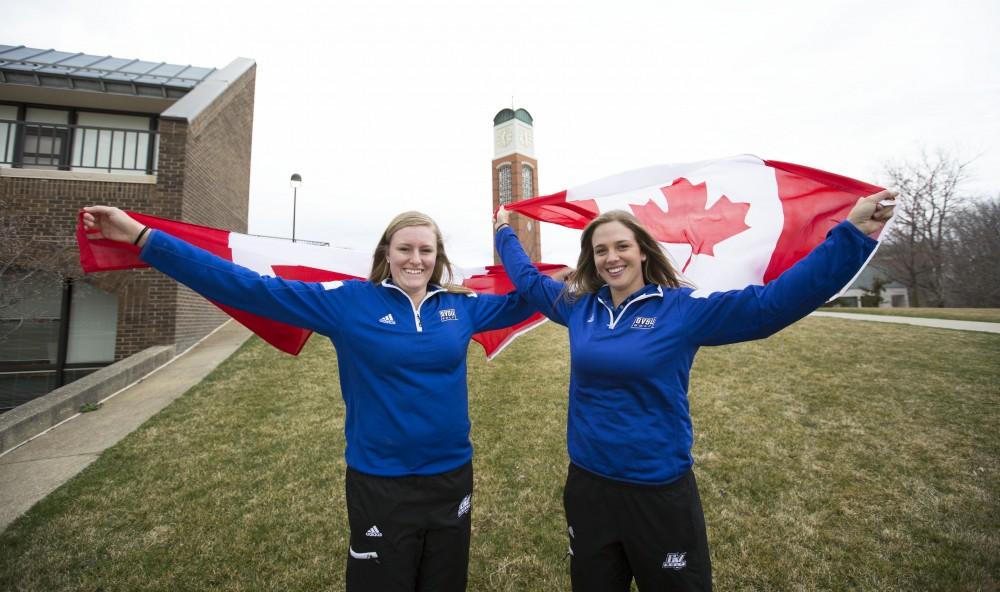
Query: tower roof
505	115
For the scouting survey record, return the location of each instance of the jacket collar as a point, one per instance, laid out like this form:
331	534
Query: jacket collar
432	289
647	291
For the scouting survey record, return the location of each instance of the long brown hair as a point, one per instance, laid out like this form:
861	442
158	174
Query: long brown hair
656	269
380	263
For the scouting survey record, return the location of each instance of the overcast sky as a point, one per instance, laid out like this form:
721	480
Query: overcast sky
384	106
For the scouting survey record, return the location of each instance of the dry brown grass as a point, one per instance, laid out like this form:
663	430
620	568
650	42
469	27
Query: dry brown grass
833	456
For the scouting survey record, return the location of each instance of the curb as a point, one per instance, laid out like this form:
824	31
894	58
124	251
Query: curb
34	417
982	326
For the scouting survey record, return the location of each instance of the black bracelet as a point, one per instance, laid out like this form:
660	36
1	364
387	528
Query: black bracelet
497	229
141	233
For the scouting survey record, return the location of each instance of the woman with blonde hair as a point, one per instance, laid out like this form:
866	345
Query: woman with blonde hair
631	500
401	339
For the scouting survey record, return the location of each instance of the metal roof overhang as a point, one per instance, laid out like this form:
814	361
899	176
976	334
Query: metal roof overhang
55	77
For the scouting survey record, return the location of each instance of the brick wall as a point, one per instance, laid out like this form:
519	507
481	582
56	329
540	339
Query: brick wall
46	220
215	187
531	238
203	177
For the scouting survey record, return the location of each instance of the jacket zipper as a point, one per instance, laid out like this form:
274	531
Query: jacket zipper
415	309
611	311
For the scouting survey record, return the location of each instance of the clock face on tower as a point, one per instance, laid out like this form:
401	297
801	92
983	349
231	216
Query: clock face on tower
504	138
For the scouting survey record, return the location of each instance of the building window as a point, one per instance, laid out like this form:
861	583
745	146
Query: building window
44	146
527	182
52	332
43	138
8	129
93	323
505	184
118	143
77	140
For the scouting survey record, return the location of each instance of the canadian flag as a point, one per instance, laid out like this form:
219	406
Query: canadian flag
294	261
726	223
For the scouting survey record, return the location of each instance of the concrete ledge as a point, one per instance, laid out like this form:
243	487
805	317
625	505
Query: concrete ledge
188	107
119	177
34	417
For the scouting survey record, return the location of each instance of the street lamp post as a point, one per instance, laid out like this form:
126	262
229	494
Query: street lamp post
295	182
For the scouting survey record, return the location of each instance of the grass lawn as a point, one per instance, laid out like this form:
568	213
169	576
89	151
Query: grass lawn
832	456
986	315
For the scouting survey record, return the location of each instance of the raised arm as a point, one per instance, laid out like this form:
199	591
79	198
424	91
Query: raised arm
543	292
313	306
758	311
497	312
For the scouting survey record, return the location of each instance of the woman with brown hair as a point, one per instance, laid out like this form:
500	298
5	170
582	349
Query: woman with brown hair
631	500
401	339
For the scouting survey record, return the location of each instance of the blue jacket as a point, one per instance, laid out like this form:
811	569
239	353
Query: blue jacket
402	368
629	366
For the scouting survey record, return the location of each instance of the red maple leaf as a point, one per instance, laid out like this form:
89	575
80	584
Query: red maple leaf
687	221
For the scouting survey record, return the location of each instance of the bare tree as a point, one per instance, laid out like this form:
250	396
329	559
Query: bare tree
29	264
974	255
917	246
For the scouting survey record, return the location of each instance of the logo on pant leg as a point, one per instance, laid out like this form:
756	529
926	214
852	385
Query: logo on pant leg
465	506
374	532
367	555
675	561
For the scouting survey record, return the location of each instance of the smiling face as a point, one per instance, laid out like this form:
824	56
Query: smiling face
412	255
618	259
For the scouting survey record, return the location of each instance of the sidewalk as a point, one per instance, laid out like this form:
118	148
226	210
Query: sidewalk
35	469
937	323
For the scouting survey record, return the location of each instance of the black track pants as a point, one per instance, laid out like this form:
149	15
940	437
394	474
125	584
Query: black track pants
409	533
618	531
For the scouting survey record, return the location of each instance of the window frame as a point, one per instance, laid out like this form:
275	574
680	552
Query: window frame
66	156
505	181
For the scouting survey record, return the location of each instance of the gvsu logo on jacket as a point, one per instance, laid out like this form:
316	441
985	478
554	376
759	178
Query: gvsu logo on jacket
644	322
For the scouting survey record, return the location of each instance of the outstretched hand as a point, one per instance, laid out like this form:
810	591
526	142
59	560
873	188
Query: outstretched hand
500	218
869	215
112	223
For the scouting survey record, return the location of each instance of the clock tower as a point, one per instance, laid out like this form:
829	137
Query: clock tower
515	174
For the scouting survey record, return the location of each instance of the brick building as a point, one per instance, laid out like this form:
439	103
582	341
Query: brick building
515	174
75	130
